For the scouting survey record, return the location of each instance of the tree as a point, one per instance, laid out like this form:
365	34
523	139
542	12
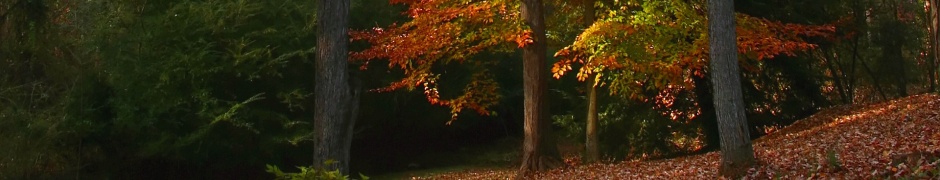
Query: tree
455	32
539	150
662	46
592	153
933	22
193	84
442	33
336	103
736	152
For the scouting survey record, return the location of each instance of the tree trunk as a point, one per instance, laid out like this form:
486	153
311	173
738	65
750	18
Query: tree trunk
837	75
737	155
709	124
539	149
334	106
891	62
853	78
859	17
875	81
933	17
592	154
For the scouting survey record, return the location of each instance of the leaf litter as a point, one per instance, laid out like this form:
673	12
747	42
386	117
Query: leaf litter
887	140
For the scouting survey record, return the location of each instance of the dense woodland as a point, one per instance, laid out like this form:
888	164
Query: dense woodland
317	89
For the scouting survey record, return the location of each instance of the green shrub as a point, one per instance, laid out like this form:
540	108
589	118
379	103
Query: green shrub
310	173
630	130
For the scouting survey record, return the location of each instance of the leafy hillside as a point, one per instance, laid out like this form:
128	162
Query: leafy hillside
898	138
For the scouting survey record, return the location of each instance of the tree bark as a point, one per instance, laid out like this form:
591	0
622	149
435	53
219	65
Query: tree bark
933	17
737	154
592	153
591	142
334	106
539	149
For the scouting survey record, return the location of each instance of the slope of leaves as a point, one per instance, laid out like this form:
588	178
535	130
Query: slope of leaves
899	138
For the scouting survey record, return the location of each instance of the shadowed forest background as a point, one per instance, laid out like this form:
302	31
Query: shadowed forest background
218	89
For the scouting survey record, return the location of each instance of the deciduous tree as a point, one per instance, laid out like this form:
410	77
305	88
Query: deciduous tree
933	22
455	32
336	104
538	150
736	152
662	46
591	140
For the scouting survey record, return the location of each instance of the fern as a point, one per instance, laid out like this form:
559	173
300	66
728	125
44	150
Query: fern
310	173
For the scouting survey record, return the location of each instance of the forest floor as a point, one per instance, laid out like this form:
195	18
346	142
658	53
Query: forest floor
892	139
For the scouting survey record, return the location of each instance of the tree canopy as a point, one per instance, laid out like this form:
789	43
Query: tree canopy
209	89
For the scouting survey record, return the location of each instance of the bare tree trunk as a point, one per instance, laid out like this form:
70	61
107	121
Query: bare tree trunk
875	80
853	79
539	149
891	62
837	75
334	106
591	142
933	18
859	16
861	26
737	154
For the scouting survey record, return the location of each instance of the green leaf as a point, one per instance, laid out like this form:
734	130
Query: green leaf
329	162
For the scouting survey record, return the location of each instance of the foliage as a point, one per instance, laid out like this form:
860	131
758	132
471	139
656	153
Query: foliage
631	130
309	173
659	44
202	89
653	52
36	75
131	86
571	128
441	33
210	47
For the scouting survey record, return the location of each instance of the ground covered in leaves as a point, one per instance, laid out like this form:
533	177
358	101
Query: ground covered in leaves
894	139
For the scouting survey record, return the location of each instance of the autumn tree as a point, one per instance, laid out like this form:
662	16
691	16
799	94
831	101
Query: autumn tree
591	141
336	102
736	152
656	50
538	151
445	33
455	32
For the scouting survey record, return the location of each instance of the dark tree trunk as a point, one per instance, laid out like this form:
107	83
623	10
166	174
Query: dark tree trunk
592	153
860	23
853	79
875	81
737	155
933	17
891	64
539	149
837	75
335	106
709	124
